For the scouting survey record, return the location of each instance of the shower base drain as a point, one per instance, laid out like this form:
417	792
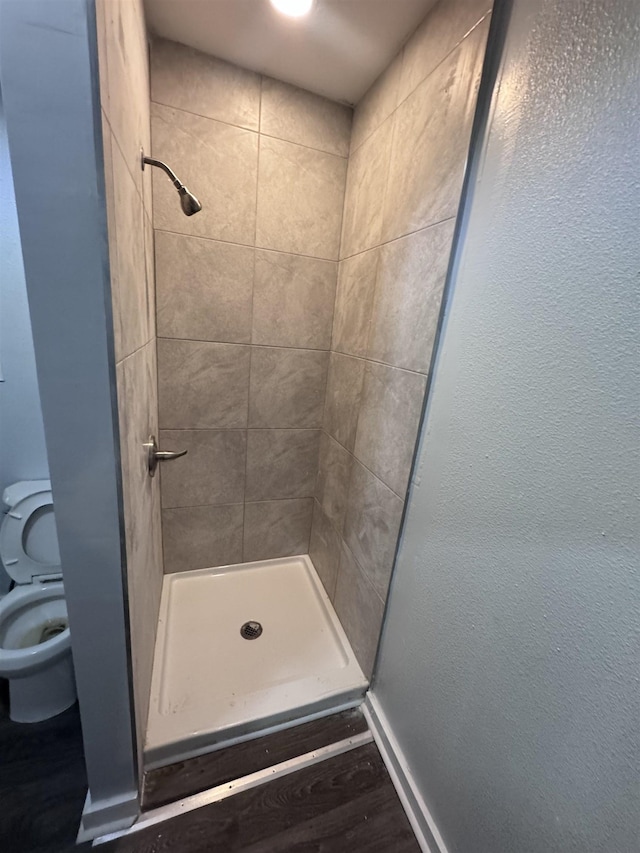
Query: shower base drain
251	630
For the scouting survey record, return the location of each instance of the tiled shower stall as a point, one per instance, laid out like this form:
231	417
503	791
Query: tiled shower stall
295	315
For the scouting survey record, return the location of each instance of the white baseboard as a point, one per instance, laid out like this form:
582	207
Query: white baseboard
106	816
420	818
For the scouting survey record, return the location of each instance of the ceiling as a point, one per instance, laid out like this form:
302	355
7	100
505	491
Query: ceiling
337	50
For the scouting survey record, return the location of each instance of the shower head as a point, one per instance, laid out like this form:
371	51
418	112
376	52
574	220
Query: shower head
188	202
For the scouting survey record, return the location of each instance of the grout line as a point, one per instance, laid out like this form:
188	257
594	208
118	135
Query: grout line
420	82
259	131
240	429
246	245
295	349
239	503
366	467
257	346
401	237
135	351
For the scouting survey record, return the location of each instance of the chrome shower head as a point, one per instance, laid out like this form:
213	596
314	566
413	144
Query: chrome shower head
188	202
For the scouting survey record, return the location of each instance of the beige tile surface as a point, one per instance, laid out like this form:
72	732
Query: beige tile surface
219	164
411	277
431	140
287	387
130	297
200	537
281	463
372	525
324	549
359	609
202	385
365	192
354	301
204	288
190	80
300	194
377	104
293	300
332	484
297	115
390	409
138	413
443	28
344	386
212	472
277	529
124	41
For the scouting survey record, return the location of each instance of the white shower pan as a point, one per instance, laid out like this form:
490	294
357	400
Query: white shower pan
211	686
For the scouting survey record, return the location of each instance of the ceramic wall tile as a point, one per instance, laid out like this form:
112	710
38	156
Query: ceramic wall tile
324	549
359	609
377	104
300	193
431	142
219	164
390	410
204	289
287	387
199	537
129	292
281	463
372	525
150	271
411	277
124	41
332	485
138	413
297	115
344	386
124	95
443	28
203	385
293	300
354	301
277	529
189	80
365	191
212	472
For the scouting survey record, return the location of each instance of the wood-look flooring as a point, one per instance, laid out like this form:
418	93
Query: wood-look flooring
175	781
42	782
345	804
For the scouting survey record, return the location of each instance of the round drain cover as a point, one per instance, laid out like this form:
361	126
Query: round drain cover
251	630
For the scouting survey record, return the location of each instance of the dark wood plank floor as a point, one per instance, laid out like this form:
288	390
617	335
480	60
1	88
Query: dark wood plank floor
42	782
170	783
345	804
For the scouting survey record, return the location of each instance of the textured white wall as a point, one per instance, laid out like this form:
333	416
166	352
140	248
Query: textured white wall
509	662
23	455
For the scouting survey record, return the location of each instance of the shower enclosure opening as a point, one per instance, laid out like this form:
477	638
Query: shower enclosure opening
277	345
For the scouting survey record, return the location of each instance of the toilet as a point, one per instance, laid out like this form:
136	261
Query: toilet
35	644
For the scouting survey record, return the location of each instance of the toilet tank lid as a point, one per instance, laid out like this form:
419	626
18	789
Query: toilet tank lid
19	491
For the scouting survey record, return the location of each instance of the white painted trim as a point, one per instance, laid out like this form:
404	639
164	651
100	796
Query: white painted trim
244	783
420	818
107	816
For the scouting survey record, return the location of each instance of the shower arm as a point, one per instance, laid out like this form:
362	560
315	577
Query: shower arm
151	162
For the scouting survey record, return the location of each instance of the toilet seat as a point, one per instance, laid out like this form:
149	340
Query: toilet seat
25	520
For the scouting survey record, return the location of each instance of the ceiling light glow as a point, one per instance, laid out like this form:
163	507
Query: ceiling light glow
293	8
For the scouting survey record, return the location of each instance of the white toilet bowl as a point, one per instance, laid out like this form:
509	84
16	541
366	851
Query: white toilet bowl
35	644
